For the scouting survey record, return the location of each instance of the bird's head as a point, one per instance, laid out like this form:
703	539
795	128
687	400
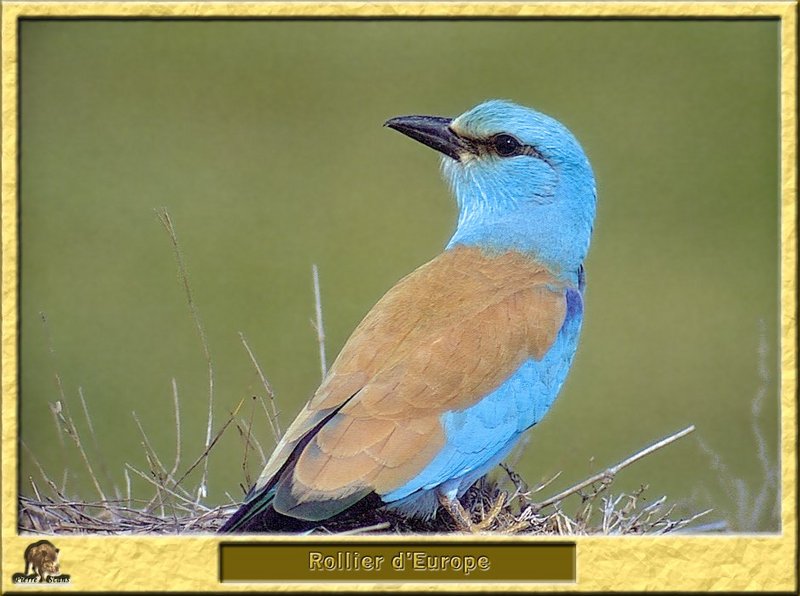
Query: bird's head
521	180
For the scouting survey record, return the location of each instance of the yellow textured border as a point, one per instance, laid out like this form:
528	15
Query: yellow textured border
702	563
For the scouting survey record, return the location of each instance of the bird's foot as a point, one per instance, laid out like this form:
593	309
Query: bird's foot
463	519
489	519
457	512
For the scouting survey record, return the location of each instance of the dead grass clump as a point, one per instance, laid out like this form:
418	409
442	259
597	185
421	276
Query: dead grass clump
502	504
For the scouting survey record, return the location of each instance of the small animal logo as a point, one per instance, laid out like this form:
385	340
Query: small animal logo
41	565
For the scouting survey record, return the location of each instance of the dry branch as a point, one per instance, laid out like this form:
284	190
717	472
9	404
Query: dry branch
607	475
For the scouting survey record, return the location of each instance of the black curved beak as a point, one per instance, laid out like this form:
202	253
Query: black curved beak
432	131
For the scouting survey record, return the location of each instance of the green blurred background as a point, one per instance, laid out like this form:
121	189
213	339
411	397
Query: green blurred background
263	139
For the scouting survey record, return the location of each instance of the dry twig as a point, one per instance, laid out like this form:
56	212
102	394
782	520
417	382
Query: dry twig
166	221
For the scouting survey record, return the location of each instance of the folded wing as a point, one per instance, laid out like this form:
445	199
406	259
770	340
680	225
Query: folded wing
440	340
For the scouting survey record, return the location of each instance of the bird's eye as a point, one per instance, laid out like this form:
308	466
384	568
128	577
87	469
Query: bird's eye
506	145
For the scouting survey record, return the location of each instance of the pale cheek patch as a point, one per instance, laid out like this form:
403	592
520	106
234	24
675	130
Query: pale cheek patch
457	127
465	157
471	136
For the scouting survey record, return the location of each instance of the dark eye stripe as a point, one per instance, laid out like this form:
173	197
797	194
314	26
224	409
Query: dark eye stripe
532	151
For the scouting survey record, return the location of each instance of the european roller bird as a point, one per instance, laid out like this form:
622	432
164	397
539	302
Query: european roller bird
454	363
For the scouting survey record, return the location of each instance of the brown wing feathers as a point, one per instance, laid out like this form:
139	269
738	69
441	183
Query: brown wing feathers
445	336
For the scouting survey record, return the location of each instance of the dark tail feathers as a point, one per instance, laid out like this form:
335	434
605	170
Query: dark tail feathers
258	516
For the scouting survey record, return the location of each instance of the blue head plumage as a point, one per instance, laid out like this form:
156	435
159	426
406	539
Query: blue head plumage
521	180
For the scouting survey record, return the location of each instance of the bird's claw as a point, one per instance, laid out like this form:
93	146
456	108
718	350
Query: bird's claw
457	513
464	521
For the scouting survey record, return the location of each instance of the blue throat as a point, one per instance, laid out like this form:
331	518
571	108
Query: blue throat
501	217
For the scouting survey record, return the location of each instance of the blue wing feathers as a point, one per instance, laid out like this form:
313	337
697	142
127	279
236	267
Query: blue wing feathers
476	435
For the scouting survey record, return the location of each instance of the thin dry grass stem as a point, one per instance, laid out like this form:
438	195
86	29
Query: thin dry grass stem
166	221
157	472
44	475
255	443
373	528
35	488
157	468
52	350
37	523
318	324
127	486
176	403
90	426
243	428
203	456
186	499
272	417
547	483
87	417
246	434
66	419
609	473
54	410
158	497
